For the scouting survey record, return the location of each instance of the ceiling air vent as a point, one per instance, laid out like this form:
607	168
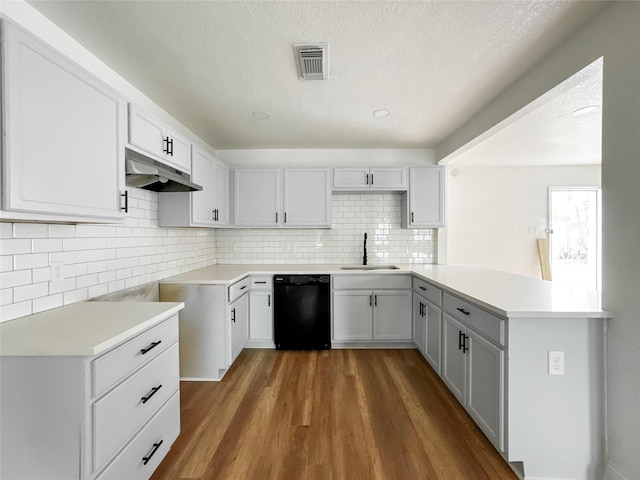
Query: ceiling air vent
312	61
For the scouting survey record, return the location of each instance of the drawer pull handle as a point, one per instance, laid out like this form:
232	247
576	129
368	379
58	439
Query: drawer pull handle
422	288
260	282
156	446
153	391
150	347
462	310
243	287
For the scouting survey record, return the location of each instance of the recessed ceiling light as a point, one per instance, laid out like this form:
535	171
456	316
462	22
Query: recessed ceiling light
261	115
586	110
383	112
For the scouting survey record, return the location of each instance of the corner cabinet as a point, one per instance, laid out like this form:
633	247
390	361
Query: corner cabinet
427	321
64	136
208	207
368	179
423	206
274	197
152	137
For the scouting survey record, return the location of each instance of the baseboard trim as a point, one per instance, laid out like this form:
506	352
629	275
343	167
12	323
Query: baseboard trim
611	473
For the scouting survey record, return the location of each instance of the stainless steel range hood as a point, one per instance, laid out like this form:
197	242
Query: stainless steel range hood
144	172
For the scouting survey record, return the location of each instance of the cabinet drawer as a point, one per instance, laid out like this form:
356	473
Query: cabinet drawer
239	288
484	322
396	282
428	291
119	414
162	429
118	363
262	282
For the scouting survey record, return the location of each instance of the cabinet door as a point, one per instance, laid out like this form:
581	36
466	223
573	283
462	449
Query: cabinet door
221	192
392	315
352	315
202	173
257	197
146	132
485	387
388	178
179	155
426	197
307	197
433	326
261	316
63	134
351	178
239	320
419	326
453	358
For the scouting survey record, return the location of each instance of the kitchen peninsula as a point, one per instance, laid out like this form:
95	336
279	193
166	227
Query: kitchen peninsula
494	338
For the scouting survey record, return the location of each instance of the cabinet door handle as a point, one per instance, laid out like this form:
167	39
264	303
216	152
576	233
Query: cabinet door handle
372	179
276	217
126	201
285	217
370	300
367	179
153	391
465	348
421	307
268	300
213	215
169	149
462	310
412	216
233	315
146	459
375	300
460	340
150	347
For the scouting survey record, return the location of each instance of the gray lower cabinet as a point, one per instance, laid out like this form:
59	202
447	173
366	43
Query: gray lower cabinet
474	370
261	312
238	319
372	310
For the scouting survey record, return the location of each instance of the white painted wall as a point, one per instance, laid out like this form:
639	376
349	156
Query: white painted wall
380	157
614	35
491	210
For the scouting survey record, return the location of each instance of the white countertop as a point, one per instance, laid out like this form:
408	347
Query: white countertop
503	293
81	329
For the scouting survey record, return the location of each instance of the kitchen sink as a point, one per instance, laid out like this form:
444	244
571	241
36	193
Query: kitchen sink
369	267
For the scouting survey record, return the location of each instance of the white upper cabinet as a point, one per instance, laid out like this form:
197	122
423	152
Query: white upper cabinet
63	139
274	197
257	197
425	198
208	207
152	137
307	197
355	179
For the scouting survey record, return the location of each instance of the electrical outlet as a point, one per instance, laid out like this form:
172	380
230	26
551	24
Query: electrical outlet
556	363
57	271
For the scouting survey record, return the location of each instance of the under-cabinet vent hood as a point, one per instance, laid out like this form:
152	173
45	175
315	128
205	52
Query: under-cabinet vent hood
312	61
144	172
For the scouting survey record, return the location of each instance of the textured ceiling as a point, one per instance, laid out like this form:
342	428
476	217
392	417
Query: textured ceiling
210	64
552	130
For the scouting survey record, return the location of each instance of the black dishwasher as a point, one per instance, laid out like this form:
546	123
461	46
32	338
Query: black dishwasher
301	313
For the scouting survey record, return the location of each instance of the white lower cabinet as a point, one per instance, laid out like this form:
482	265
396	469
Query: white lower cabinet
113	416
261	312
375	316
474	370
238	320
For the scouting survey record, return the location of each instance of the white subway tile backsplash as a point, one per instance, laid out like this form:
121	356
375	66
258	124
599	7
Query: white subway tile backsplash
47	245
15	246
62	231
47	303
15	279
30	230
32	260
27	292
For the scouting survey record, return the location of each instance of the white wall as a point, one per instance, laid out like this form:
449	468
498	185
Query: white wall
492	210
614	35
380	157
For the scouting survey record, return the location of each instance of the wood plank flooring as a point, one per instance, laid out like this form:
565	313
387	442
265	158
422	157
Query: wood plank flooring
333	414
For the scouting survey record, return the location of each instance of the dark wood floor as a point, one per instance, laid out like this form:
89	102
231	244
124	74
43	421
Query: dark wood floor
335	414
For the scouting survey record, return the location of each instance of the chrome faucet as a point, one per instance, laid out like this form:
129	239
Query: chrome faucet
364	257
